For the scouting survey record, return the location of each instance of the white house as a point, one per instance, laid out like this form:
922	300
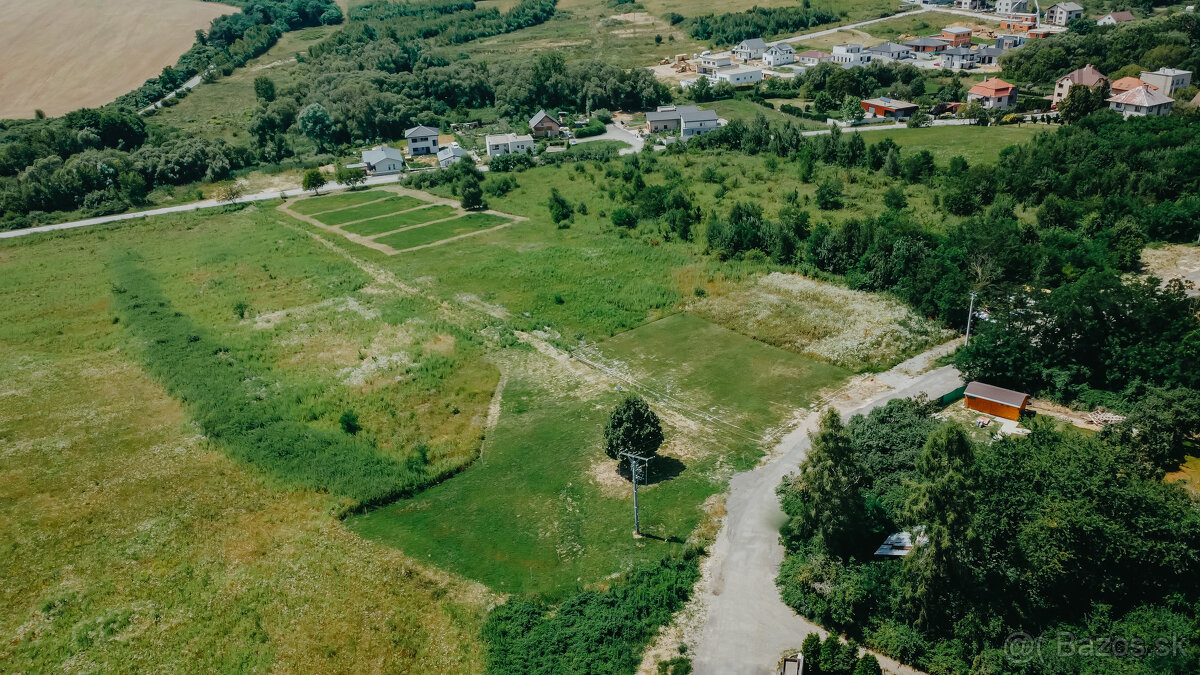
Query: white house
451	154
711	63
504	144
1006	7
850	55
1142	101
1168	80
812	57
781	54
971	5
737	75
422	140
1063	13
1114	18
959	58
380	160
890	51
694	122
748	50
1009	41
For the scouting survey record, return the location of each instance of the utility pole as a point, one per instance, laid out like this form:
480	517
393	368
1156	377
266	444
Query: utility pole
635	465
970	313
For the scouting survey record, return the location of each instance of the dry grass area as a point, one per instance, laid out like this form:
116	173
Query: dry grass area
60	55
1174	261
849	328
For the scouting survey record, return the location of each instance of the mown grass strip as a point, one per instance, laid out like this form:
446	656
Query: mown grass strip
400	220
383	208
315	205
232	399
444	230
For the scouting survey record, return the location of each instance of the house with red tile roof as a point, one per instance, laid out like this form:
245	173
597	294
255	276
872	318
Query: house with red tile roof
1141	102
993	93
1128	84
1114	18
1086	76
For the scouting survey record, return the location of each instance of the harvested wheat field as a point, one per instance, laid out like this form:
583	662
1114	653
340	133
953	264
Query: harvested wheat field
60	55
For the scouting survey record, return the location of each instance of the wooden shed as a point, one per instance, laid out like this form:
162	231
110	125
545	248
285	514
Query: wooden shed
996	401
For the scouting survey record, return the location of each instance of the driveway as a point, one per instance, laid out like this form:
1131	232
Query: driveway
747	628
615	132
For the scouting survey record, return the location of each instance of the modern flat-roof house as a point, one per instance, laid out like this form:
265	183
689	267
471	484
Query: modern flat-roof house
710	63
989	56
812	57
927	45
737	75
996	401
1127	84
544	125
381	160
422	140
748	50
957	36
1019	23
889	107
1168	80
900	544
1009	41
1141	102
960	58
695	122
1007	7
506	144
1086	76
670	117
781	54
850	55
993	93
1114	18
1064	13
451	154
890	51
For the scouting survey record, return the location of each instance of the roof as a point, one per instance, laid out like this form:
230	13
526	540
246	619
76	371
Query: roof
1087	76
674	113
752	43
990	51
1172	72
1120	17
995	394
696	115
717	55
782	47
893	103
739	69
381	152
1142	96
496	139
451	151
959	51
992	88
956	30
927	42
421	131
889	48
901	543
541	115
1067	7
1127	83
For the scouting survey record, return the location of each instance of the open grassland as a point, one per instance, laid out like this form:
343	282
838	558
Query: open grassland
344	200
428	234
406	219
925	23
61	55
976	144
133	542
371	210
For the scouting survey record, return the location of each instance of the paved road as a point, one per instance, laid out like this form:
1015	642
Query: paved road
186	86
747	628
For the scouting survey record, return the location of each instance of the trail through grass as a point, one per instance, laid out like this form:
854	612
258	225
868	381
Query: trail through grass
428	234
385	207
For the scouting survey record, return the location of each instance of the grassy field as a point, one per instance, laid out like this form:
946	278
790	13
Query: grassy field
419	236
135	543
746	110
372	210
976	144
405	219
67	54
925	23
316	205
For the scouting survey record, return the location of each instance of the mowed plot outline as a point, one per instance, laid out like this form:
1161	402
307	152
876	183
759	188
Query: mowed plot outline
395	220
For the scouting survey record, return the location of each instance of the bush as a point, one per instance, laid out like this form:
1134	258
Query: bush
625	218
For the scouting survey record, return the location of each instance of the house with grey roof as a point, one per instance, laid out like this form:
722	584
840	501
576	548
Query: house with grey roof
1141	102
890	51
1009	41
505	144
1064	13
781	54
380	160
959	58
1114	18
927	45
696	122
989	56
748	50
544	125
422	140
451	154
1168	80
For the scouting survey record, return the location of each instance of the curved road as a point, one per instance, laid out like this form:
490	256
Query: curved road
747	628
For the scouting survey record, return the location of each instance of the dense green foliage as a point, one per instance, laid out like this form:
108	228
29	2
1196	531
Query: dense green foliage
727	29
590	631
1053	532
632	428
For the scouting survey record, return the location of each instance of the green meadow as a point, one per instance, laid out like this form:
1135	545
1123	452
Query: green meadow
370	210
418	236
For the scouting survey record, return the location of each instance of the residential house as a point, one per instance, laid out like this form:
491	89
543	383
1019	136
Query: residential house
451	154
890	51
543	125
1019	23
1141	102
710	63
957	36
505	144
1010	7
1009	41
889	107
737	75
959	58
381	160
1086	76
748	50
927	45
693	122
850	55
422	140
1127	84
989	56
1064	13
1042	32
669	117
992	400
1168	80
971	5
1114	18
900	544
781	54
993	93
812	57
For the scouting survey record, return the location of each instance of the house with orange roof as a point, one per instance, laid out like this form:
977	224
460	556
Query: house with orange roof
1128	84
1086	76
993	93
1141	102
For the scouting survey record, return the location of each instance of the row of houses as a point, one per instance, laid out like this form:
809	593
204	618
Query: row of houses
1059	14
1147	94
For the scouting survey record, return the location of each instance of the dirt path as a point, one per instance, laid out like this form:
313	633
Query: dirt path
746	627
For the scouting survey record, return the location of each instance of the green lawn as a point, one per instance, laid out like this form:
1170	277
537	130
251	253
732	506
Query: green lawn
976	144
438	231
746	110
383	208
399	220
315	205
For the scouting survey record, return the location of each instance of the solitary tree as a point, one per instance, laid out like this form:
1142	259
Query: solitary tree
313	181
264	88
351	178
560	208
471	193
229	191
632	427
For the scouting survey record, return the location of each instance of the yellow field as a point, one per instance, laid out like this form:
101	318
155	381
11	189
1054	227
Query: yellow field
60	55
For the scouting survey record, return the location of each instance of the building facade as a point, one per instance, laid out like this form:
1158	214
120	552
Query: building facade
422	140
